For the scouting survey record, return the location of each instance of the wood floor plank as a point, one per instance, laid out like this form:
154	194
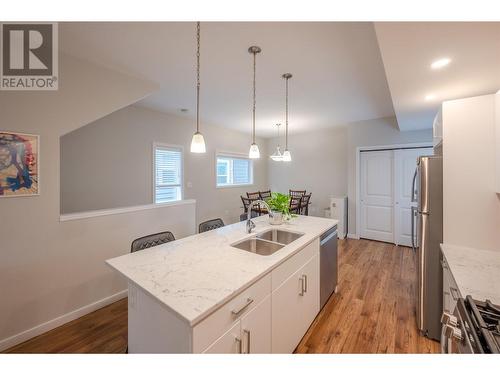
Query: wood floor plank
373	312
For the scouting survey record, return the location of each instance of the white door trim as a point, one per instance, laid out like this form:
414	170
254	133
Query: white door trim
358	170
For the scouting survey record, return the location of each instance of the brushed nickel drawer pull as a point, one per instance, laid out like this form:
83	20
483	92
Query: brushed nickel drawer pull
238	342
305	283
247	303
247	333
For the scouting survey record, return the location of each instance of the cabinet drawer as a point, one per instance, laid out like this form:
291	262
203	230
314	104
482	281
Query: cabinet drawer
212	327
290	266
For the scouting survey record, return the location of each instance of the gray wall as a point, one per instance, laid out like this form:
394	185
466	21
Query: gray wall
108	163
319	165
50	268
379	132
324	161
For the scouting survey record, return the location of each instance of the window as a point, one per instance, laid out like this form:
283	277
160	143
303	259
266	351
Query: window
233	170
168	173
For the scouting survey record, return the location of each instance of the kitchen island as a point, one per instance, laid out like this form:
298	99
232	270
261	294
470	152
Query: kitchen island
202	294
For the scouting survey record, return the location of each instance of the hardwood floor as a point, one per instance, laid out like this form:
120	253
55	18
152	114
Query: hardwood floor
374	309
373	312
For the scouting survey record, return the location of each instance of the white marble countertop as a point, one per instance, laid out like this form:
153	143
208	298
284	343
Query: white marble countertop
476	272
196	275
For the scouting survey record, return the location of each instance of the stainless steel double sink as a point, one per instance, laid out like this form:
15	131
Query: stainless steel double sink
267	242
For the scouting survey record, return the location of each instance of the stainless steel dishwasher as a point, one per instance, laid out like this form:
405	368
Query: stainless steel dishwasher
328	264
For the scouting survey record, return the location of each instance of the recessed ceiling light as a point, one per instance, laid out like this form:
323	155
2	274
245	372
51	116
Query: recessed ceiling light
430	97
441	63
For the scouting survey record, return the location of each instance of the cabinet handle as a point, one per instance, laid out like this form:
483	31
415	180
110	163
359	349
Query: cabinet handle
247	333
453	295
238	342
247	303
444	265
303	285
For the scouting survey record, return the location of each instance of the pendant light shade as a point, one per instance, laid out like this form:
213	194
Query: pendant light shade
198	142
254	149
287	156
254	152
277	155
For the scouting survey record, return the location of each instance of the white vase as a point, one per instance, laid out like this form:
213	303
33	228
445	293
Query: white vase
276	218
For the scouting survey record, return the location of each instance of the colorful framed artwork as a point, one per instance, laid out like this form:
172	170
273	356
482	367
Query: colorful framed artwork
19	164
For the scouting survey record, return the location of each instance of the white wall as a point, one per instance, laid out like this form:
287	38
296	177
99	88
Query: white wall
108	163
471	205
49	268
324	162
319	165
379	132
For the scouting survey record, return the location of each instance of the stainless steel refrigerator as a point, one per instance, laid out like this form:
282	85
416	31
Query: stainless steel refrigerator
427	235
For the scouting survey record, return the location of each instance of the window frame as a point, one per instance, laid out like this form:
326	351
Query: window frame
234	155
173	147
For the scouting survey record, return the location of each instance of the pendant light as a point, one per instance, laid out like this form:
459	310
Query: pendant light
254	149
277	156
198	142
286	154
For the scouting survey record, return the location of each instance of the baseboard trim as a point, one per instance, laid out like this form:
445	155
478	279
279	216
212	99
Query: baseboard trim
59	321
353	236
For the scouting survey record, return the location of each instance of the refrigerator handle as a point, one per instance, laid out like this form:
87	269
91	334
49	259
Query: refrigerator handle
413	213
413	187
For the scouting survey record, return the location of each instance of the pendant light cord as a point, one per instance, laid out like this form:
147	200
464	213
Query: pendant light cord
198	77
253	112
286	116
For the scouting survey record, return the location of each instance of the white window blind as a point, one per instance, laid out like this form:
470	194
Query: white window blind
233	170
168	173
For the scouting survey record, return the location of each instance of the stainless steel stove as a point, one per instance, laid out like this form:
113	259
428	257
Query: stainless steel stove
474	327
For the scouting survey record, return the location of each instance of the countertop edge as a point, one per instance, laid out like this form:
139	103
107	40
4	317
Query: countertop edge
222	302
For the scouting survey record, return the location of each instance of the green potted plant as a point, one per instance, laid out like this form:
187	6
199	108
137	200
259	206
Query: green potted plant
280	208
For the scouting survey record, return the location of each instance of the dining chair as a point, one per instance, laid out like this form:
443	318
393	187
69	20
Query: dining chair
296	193
210	225
151	240
265	194
294	205
304	204
255	195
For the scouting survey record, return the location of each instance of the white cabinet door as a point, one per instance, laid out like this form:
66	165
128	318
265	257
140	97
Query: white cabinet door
228	343
405	163
376	195
295	303
256	329
310	300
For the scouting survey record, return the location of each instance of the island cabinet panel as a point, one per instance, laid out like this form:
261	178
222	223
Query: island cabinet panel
228	343
154	328
295	303
290	266
256	329
214	325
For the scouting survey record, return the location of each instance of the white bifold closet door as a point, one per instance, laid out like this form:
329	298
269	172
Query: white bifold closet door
385	194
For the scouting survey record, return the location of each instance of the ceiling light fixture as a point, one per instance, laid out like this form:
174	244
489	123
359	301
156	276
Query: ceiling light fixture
198	142
430	97
277	156
286	154
441	63
254	149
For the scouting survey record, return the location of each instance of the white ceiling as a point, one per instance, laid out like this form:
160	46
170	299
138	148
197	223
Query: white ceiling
407	51
338	73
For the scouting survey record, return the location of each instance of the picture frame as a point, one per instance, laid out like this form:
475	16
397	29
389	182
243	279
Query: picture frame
19	164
